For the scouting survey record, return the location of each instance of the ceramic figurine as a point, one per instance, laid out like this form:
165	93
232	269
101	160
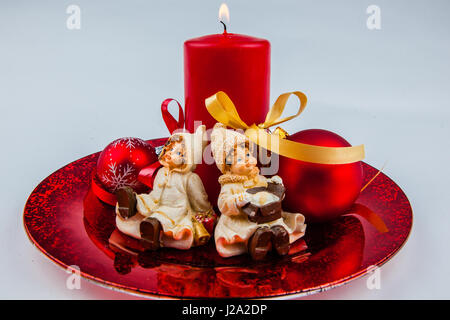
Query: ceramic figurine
252	220
166	217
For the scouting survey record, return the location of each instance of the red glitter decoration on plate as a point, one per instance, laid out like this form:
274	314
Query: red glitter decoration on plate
65	220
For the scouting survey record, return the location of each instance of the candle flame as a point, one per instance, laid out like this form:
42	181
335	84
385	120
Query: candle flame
224	13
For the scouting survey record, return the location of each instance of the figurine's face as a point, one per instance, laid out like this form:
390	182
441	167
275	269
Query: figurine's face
175	155
243	163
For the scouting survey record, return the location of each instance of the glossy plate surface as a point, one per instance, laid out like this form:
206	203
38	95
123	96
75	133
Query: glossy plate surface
65	220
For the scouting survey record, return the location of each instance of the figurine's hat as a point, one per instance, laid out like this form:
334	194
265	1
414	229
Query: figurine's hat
223	142
194	144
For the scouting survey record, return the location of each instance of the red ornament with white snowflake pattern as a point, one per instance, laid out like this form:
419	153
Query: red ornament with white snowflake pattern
120	162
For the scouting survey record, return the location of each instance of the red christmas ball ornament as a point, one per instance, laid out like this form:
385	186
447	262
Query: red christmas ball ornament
120	162
320	192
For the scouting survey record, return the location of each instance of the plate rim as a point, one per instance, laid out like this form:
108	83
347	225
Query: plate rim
145	294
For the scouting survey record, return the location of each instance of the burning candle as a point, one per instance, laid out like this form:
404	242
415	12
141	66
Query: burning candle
236	64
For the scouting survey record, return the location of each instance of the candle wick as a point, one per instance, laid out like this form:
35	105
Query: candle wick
224	26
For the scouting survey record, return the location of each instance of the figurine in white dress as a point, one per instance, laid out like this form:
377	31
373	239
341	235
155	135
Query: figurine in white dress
251	220
166	216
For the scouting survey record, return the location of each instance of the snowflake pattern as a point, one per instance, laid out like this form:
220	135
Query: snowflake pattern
130	143
119	176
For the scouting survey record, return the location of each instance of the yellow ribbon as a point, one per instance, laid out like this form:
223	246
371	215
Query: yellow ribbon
223	110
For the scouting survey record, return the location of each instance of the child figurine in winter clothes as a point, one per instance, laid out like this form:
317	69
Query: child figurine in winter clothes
251	220
166	216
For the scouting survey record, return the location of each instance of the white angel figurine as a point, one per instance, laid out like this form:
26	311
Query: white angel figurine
166	216
251	220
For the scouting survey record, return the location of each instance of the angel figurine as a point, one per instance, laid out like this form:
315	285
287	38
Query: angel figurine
252	220
166	217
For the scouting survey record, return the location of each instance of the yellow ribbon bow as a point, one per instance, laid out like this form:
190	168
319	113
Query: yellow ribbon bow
223	110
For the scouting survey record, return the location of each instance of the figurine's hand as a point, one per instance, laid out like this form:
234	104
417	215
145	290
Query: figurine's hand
242	199
276	179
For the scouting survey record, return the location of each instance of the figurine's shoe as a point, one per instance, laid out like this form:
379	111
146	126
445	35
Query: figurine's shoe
126	200
150	229
280	240
260	243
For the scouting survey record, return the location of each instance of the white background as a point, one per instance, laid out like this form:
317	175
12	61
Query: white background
66	94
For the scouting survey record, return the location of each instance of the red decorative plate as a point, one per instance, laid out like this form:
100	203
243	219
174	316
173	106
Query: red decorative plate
71	226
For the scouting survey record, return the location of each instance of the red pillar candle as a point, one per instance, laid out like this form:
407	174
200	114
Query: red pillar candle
236	64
